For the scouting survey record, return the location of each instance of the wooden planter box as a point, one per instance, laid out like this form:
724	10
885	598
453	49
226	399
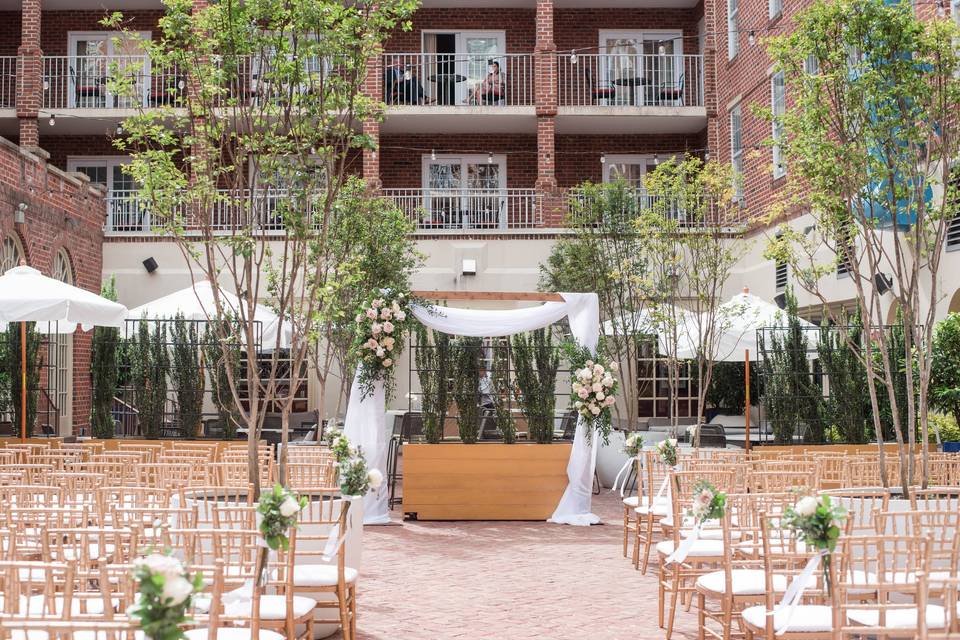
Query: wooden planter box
484	481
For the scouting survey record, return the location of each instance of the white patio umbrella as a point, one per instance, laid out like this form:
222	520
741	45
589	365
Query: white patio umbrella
26	295
644	322
197	303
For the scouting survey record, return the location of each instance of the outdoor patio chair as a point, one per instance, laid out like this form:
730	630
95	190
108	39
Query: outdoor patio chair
671	92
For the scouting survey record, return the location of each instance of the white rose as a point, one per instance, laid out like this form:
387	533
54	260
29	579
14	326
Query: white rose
161	564
289	507
400	316
176	589
388	362
377	303
596	387
583	393
395	306
589	364
614	366
597	369
376	328
380	352
374	478
388	327
359	317
806	506
578	404
600	396
594	409
672	441
607	381
609	401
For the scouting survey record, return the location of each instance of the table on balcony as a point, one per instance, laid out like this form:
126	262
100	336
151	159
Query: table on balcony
448	81
632	82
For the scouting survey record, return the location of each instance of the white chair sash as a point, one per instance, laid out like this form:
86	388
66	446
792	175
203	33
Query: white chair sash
686	545
794	593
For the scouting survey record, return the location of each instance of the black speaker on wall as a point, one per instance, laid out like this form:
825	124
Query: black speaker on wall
150	264
781	300
883	283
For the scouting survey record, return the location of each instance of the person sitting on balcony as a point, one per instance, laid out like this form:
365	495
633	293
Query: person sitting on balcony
401	86
491	90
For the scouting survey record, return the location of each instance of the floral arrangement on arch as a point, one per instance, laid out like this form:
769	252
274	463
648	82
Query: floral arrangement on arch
708	503
165	590
817	522
667	450
379	331
593	390
278	511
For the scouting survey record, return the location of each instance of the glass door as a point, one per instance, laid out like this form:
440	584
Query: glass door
442	190
621	71
92	56
482	65
662	70
465	191
124	208
633	170
640	66
485	200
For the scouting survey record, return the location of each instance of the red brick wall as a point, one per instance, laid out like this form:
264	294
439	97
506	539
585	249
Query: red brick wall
9	32
56	25
62	147
577	28
62	213
578	157
519	25
402	167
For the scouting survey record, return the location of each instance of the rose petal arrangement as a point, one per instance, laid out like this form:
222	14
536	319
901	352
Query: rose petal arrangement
593	394
278	511
165	589
379	331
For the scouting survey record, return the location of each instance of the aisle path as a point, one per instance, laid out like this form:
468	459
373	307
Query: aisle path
509	581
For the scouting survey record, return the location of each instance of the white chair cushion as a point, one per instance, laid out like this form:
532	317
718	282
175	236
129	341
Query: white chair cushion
711	534
232	633
700	548
320	575
898	618
631	501
271	607
807	618
86	634
745	582
94	606
659	510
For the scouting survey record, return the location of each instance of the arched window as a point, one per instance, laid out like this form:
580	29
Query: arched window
11	254
62	269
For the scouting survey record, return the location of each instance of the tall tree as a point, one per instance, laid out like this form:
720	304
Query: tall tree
869	137
241	158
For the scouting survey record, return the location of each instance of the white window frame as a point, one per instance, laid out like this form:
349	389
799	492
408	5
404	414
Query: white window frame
733	30
778	108
74	36
465	159
736	154
462	88
642	159
108	162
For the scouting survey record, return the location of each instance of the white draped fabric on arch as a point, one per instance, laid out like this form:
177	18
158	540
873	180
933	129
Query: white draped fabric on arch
365	423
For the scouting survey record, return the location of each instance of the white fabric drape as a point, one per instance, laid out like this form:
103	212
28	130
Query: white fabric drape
365	417
365	426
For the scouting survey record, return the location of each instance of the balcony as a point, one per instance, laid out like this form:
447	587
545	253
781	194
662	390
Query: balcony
440	211
81	82
458	210
725	218
8	82
459	93
605	93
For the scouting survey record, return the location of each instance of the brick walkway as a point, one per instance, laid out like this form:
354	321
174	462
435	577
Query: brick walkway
514	580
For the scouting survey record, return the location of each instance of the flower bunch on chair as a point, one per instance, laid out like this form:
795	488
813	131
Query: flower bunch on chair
278	511
165	589
593	393
339	445
667	450
817	522
378	336
708	503
355	478
633	444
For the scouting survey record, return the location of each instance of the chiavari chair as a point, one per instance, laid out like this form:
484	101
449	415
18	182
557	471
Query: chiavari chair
36	590
36	495
935	498
173	475
149	521
89	547
30	473
631	519
209	498
134	496
888	566
861	504
234	516
306	476
229	474
653	507
941	529
88	448
314	568
148	452
948	589
28	525
678	578
784	556
118	472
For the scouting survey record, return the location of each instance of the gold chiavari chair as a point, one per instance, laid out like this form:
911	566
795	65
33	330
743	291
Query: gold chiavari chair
784	556
653	507
109	497
861	504
234	516
887	566
678	578
630	517
89	547
147	452
25	495
948	589
174	475
307	476
208	498
118	472
30	473
34	590
87	448
229	474
320	570
150	521
941	529
28	525
936	498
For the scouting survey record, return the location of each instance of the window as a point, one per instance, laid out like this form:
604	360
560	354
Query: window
733	35
11	254
776	8
465	192
105	170
778	105
811	65
953	192
736	151
92	55
653	55
62	270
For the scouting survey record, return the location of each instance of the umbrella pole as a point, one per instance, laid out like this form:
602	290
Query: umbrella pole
746	393
23	382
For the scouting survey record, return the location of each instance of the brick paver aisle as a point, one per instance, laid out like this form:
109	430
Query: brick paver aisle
478	580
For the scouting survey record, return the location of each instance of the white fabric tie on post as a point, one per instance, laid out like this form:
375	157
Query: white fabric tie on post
626	476
335	541
794	593
365	427
686	545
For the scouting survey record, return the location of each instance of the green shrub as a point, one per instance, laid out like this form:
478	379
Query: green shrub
947	425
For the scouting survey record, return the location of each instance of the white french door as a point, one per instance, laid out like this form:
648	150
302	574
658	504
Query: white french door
125	210
465	191
633	170
92	55
638	65
451	78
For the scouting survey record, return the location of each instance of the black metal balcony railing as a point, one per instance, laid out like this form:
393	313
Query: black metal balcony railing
630	80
